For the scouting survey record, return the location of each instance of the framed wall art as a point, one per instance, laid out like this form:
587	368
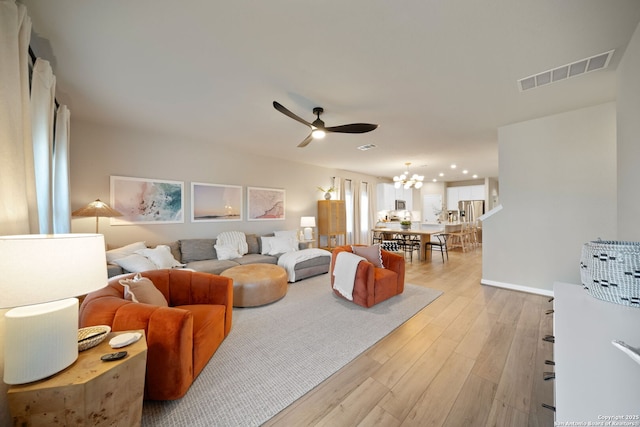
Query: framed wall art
147	201
215	202
265	204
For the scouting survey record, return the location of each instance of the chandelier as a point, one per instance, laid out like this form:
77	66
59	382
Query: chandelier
406	182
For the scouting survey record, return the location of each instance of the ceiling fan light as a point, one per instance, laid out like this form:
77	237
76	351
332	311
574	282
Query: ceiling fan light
419	184
397	184
318	134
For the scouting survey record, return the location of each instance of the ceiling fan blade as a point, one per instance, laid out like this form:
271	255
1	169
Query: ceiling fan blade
352	128
306	141
288	113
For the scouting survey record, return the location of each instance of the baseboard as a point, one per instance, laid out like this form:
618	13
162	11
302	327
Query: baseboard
519	288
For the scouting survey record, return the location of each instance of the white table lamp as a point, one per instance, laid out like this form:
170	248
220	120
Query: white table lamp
307	222
39	274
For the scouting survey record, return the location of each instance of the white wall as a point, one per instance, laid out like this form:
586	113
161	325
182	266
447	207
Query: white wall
97	152
629	141
558	191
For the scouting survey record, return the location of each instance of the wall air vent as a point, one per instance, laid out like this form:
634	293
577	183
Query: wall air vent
583	66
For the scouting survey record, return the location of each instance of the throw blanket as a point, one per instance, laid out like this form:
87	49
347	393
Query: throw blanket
344	273
289	260
234	239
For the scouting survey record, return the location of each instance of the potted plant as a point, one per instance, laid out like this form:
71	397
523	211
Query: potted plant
405	225
327	192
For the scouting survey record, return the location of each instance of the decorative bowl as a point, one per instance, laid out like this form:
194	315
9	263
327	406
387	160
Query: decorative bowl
92	336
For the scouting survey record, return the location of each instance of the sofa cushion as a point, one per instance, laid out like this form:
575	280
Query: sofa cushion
256	259
213	266
253	243
161	256
124	251
198	249
278	245
142	290
370	253
135	263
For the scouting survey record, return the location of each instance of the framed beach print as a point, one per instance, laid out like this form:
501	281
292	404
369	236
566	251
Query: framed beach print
265	204
147	201
215	202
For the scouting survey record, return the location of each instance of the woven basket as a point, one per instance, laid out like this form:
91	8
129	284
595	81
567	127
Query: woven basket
92	336
610	271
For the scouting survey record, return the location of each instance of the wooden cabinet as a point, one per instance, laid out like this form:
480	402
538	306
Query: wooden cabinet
87	393
332	223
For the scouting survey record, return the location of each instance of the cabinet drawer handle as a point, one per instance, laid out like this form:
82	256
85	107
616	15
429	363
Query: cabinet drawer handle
549	338
553	408
549	362
549	311
548	376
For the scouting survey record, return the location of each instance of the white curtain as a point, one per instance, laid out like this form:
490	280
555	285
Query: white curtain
61	198
43	87
363	212
360	209
357	212
34	174
18	206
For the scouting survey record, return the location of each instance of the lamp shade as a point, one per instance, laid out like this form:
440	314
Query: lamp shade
96	208
308	221
40	340
37	268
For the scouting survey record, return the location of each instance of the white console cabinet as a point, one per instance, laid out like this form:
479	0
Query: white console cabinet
594	380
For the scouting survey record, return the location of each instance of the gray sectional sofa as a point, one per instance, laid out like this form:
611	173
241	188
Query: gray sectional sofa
200	255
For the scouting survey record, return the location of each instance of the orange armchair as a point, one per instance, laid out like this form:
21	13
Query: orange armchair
372	284
181	338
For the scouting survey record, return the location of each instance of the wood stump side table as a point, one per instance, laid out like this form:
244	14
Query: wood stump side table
90	392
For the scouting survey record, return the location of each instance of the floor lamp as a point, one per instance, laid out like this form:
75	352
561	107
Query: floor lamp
97	209
40	275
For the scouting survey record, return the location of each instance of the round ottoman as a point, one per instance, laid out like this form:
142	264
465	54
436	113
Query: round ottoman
257	284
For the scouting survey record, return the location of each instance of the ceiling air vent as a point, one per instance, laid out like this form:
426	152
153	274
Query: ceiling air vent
366	147
563	72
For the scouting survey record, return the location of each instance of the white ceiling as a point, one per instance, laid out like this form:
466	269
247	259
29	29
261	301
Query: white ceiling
438	76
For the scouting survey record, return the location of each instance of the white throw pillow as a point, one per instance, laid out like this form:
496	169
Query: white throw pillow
292	234
161	256
281	245
135	263
266	245
227	252
124	251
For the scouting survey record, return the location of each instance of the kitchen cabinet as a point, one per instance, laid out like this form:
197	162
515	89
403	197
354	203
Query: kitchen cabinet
332	223
466	192
388	194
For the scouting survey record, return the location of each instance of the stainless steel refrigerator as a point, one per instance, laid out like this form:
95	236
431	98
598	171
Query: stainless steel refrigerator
470	210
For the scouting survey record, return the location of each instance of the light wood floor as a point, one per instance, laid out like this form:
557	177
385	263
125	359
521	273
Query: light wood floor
473	357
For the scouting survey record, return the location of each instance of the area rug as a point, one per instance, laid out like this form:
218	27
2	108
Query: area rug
277	353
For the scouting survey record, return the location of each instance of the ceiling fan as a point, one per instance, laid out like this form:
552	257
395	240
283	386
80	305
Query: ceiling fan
318	129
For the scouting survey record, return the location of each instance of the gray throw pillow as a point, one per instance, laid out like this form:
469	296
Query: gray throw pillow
198	249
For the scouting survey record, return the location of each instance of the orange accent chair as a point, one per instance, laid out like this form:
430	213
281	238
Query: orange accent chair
373	284
181	338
